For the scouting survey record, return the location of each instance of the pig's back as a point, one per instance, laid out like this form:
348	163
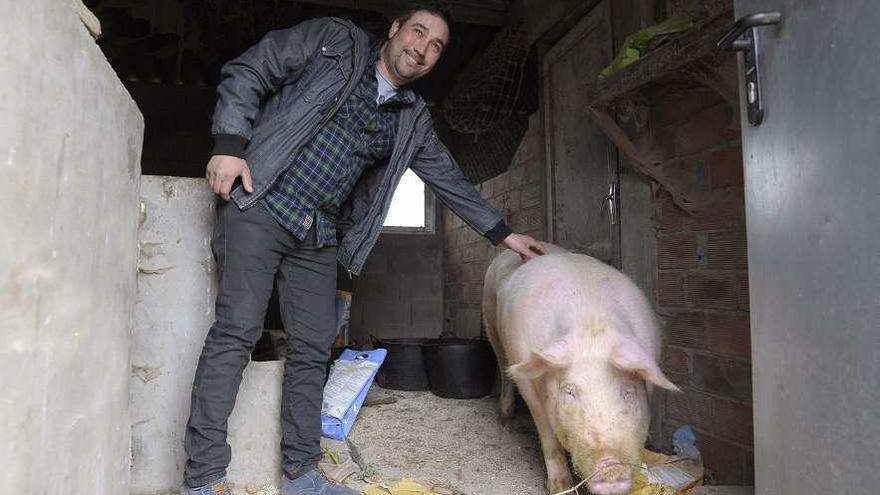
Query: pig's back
497	275
556	293
505	263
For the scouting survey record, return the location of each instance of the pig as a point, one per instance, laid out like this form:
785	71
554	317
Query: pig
581	343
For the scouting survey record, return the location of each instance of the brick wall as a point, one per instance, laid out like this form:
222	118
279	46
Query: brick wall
702	282
519	193
701	279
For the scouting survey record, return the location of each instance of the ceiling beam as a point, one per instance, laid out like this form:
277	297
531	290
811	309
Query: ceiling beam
485	13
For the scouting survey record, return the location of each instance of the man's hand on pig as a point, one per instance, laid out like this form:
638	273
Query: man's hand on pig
526	246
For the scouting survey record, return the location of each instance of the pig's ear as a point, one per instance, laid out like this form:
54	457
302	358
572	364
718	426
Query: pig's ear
629	356
554	356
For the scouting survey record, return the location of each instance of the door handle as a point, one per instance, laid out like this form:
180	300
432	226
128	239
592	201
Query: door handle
731	41
743	38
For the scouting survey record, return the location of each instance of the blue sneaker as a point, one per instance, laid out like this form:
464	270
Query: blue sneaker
313	483
219	487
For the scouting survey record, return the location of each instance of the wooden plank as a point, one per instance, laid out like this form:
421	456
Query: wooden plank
581	160
646	162
500	5
490	13
693	55
697	44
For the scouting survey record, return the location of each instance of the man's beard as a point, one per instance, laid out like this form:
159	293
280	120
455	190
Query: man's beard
402	66
406	69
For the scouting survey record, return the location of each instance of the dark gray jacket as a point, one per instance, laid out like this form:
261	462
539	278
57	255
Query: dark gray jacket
276	96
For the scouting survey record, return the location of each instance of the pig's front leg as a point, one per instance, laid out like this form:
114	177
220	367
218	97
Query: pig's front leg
558	475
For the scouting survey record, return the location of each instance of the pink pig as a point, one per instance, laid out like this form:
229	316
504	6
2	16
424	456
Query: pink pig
581	343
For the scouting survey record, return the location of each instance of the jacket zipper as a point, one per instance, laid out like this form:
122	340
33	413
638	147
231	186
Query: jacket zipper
409	129
327	117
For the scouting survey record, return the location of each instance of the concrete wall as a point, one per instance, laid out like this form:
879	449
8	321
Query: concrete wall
400	291
70	140
175	308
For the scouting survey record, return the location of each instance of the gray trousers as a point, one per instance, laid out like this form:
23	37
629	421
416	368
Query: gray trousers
253	251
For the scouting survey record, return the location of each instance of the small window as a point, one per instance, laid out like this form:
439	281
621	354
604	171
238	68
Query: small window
410	209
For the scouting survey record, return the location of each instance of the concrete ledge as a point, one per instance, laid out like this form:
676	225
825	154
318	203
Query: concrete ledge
175	308
724	490
89	19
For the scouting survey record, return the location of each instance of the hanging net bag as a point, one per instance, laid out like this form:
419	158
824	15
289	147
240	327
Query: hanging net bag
486	93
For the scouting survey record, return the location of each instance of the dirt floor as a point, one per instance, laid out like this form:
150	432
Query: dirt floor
456	444
724	490
459	444
456	447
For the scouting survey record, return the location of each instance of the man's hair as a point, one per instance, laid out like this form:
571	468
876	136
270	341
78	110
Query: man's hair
434	8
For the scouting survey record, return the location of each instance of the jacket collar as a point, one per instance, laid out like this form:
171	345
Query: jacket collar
405	95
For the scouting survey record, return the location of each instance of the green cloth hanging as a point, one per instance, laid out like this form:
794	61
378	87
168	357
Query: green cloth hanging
635	46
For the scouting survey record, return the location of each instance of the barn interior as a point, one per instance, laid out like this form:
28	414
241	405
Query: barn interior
583	135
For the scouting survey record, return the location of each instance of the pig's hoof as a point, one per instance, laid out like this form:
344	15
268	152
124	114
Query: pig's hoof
505	418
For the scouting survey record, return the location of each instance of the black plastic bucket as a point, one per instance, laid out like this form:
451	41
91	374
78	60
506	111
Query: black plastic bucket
404	367
460	368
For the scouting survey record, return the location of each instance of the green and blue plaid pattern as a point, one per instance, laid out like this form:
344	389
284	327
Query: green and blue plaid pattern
360	135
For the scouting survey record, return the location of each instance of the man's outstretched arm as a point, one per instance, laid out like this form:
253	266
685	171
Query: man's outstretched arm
436	167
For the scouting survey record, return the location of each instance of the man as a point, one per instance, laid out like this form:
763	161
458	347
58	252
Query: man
318	124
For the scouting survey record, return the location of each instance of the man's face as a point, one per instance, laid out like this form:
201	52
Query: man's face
413	48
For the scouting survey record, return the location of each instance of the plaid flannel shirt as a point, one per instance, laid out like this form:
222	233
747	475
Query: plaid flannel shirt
315	185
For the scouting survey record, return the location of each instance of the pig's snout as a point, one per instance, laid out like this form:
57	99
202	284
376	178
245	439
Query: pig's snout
612	478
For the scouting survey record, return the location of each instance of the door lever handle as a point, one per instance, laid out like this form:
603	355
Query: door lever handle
743	38
731	41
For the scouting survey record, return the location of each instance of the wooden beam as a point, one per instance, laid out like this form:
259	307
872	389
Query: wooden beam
485	13
668	59
500	5
722	78
646	162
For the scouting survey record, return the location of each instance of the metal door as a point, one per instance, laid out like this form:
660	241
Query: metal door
813	217
583	162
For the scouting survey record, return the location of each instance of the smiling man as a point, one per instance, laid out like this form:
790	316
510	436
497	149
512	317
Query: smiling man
314	127
413	48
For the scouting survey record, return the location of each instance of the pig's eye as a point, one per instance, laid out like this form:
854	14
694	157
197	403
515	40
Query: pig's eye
569	391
